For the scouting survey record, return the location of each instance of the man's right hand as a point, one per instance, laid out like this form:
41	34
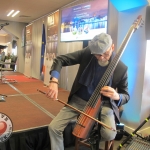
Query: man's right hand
53	89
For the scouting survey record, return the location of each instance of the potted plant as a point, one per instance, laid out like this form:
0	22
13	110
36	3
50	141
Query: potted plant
8	60
8	56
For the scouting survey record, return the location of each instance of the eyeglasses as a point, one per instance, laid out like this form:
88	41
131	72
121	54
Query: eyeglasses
106	54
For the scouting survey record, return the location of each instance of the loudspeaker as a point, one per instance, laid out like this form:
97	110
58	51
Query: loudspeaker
147	23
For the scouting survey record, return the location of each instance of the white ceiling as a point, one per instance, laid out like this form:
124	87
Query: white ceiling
30	10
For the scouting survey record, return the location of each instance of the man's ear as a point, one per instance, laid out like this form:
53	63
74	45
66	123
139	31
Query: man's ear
113	47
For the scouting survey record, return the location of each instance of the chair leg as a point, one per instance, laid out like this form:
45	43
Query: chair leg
109	145
112	145
77	143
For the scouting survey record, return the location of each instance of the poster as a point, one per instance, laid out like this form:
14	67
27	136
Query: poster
51	45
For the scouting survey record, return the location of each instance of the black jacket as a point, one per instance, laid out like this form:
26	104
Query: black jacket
83	57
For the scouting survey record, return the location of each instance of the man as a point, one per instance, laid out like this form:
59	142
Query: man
93	61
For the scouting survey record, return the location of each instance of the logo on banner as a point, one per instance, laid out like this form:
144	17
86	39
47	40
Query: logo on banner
6	127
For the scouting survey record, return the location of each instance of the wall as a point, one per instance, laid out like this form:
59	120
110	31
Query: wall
15	29
134	58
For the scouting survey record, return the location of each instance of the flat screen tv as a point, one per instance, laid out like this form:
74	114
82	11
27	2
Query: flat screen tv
84	21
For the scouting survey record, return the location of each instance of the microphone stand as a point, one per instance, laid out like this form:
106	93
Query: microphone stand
134	133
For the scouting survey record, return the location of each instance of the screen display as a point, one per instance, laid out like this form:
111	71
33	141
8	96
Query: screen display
84	21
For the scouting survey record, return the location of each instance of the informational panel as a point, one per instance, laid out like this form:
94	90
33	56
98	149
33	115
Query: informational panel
28	60
28	51
28	34
51	45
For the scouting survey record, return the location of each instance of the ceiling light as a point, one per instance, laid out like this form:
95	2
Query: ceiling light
15	13
10	12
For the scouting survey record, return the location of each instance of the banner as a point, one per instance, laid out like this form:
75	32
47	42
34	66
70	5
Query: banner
29	34
28	52
42	50
51	44
28	60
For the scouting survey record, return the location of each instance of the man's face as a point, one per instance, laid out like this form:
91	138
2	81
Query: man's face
105	56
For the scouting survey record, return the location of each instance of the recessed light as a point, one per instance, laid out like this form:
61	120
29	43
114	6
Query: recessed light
10	12
15	13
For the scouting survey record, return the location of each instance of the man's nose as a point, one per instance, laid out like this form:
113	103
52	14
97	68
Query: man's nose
101	56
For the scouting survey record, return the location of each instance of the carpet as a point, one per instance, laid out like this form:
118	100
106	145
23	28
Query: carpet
26	107
20	78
